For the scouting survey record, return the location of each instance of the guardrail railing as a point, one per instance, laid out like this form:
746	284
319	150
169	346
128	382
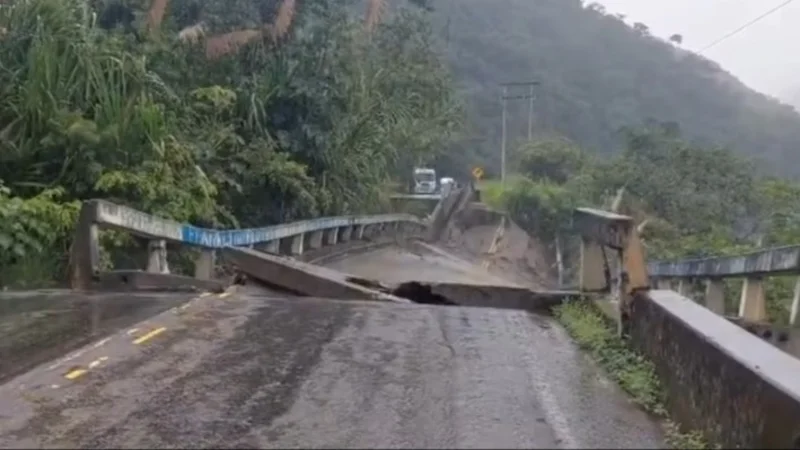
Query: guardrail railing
289	239
751	267
739	390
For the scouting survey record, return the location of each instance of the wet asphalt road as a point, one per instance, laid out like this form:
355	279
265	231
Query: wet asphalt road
396	265
37	326
245	370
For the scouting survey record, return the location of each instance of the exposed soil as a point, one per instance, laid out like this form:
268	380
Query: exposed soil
517	256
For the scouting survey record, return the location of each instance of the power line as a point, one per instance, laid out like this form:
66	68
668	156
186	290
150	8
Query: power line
748	24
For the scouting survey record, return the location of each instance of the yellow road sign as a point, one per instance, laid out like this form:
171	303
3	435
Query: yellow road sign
477	172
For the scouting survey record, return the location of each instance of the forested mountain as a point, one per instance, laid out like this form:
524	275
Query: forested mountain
599	73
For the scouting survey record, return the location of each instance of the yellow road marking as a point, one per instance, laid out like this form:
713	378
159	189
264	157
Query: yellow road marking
185	305
224	294
150	335
73	374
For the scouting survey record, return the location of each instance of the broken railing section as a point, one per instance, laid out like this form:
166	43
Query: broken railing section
290	239
752	268
738	390
606	235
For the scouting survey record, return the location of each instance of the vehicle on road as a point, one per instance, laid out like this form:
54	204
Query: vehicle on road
446	184
424	180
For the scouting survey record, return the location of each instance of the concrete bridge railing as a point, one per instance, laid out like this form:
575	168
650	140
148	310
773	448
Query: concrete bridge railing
752	268
739	390
287	239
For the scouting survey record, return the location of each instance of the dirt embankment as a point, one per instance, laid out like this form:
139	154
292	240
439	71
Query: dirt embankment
493	240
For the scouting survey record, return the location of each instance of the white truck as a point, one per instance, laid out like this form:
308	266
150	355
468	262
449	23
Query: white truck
424	180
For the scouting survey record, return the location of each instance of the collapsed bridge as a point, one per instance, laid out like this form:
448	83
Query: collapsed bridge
350	331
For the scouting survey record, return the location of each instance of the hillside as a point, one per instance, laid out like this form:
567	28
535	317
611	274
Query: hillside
598	74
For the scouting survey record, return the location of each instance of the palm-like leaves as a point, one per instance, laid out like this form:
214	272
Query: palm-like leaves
259	124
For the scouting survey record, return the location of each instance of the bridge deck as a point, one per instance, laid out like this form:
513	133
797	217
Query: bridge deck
246	370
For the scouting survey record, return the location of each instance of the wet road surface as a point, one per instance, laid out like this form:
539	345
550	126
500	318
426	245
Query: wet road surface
247	370
396	265
40	325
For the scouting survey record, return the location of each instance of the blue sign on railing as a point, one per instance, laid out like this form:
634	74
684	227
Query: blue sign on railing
234	238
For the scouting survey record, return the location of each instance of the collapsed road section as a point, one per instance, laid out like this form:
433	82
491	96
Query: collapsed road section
249	369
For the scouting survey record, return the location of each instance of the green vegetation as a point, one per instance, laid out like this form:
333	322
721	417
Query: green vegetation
599	72
631	371
225	114
689	201
252	112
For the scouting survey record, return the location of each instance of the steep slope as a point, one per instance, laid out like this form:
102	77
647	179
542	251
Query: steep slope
599	74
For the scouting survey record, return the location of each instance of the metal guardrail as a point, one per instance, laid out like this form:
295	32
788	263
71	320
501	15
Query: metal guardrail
315	233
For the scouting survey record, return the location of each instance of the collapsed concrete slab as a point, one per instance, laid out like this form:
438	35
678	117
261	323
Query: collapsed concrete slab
301	278
489	296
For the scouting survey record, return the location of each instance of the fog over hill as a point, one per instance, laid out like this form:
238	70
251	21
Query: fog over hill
600	71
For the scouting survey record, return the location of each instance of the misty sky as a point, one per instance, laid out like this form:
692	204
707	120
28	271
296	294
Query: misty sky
765	56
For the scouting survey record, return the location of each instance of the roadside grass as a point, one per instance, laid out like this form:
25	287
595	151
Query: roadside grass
492	193
634	373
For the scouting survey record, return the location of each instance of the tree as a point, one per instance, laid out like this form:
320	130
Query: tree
676	38
240	113
641	28
554	159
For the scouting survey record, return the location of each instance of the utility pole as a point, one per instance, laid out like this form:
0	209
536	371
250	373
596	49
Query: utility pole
504	98
503	140
530	112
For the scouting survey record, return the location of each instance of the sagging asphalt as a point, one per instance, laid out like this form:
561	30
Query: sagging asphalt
249	369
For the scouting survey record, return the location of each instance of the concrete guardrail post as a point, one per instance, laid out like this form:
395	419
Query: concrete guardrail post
315	239
273	247
715	295
157	256
345	233
685	287
795	303
331	236
204	265
358	232
292	245
752	303
85	252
